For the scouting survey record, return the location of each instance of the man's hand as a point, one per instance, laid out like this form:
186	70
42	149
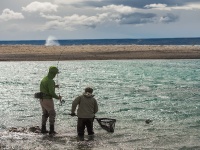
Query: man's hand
59	97
56	86
72	114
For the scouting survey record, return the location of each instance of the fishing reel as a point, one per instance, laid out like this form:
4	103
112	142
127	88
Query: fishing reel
62	102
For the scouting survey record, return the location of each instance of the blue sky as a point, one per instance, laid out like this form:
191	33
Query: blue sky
98	19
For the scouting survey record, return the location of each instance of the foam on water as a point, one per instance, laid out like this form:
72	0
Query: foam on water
131	91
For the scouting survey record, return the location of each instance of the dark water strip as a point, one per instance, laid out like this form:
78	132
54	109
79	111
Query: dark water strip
154	41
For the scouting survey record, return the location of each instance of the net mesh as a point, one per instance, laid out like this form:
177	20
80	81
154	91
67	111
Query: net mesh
107	124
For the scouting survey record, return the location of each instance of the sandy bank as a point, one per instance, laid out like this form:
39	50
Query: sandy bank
96	52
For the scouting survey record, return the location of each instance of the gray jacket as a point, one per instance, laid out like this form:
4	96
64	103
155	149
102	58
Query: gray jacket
87	106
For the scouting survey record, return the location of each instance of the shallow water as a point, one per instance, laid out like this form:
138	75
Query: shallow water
131	91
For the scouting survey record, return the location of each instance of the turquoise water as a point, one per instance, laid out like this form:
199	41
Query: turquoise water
131	91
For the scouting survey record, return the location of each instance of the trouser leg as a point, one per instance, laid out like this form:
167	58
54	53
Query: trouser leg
89	125
85	122
52	116
48	111
80	127
45	114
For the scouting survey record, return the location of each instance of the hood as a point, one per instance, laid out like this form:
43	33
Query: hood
52	72
88	95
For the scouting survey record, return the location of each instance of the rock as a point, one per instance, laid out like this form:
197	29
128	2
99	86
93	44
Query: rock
148	121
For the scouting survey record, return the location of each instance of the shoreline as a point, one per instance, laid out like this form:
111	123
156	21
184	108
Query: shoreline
97	52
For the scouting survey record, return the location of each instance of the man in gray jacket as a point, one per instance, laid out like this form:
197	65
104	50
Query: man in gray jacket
87	108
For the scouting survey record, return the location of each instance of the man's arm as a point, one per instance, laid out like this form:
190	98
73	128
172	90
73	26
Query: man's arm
95	107
74	104
51	87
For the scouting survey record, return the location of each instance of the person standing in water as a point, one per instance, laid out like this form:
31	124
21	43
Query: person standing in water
47	87
87	108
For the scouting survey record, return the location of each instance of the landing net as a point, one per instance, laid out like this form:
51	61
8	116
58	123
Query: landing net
107	124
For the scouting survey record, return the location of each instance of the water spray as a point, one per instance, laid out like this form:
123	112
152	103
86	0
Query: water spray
52	41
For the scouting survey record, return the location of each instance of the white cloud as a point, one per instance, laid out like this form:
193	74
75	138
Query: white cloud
157	6
118	8
10	15
40	7
83	19
50	17
68	1
188	7
56	25
74	1
194	6
165	7
112	18
74	21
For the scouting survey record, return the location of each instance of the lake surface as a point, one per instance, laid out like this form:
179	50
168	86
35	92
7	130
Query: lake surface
130	91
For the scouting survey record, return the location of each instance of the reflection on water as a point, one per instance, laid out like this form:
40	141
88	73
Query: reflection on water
131	91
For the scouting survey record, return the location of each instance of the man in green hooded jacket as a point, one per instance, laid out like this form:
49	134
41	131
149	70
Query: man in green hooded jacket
47	87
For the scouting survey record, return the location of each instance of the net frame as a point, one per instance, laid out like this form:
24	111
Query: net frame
107	124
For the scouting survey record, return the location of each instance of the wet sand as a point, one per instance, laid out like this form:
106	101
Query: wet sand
96	52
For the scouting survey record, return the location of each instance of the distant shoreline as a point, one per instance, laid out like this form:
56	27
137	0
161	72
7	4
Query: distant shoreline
97	52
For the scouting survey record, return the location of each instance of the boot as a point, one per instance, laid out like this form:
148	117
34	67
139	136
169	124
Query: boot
52	132
44	130
80	138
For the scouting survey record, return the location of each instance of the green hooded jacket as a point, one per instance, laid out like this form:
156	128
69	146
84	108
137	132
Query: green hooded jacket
47	85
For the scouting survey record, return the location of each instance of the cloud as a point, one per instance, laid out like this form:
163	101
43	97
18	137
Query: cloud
157	6
68	1
53	25
118	8
109	14
142	3
138	18
92	17
189	6
128	15
40	7
131	3
75	1
73	22
169	18
51	17
10	15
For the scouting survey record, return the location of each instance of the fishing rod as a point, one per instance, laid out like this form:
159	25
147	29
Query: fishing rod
61	100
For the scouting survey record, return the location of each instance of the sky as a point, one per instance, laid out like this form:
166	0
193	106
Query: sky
98	19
